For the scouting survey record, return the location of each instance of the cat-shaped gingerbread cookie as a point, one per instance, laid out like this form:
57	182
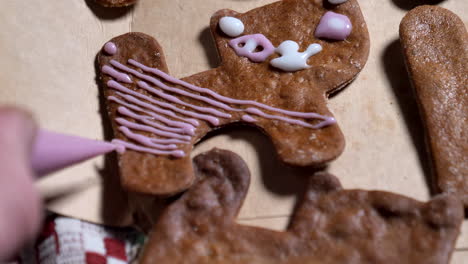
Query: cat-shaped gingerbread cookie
329	225
279	64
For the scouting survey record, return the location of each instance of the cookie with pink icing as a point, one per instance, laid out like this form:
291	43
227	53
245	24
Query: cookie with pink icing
275	74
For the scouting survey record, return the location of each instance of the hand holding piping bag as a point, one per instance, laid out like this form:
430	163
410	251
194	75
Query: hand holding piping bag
20	204
26	153
53	151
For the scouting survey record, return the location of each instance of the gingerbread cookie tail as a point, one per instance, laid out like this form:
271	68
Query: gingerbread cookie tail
319	184
228	178
435	45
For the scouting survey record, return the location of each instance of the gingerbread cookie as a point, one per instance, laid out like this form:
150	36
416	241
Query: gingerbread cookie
330	225
279	64
115	3
435	45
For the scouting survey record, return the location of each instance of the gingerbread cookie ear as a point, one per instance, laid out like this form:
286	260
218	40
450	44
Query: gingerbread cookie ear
225	180
230	26
319	185
343	34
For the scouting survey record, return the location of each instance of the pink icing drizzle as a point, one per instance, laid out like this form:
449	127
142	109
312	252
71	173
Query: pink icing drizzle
222	98
176	100
115	85
171	89
145	140
121	77
125	123
187	128
248	118
110	48
251	42
191	122
258	112
123	145
163	130
181	132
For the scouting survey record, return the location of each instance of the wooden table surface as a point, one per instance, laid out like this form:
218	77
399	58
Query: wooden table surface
48	48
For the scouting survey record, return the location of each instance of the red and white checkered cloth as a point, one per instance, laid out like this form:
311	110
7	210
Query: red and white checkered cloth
66	240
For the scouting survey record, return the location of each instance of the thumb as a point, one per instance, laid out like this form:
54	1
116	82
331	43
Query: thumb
20	205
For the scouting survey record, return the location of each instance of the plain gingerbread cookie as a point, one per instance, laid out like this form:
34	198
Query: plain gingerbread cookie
330	225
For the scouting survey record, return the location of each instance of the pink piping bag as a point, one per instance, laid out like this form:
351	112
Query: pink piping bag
54	151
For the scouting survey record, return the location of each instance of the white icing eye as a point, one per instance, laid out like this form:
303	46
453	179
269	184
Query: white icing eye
337	2
231	26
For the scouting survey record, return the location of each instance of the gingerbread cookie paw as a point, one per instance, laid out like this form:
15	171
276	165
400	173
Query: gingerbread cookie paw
435	45
136	115
330	225
279	64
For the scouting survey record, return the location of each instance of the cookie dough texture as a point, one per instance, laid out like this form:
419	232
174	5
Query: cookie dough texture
330	225
435	46
237	77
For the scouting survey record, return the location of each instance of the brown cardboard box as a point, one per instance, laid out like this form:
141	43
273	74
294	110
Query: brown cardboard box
48	48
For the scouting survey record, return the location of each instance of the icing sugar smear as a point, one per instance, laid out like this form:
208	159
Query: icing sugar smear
157	112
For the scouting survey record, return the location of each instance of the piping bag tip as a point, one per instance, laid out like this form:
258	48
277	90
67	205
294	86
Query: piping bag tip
54	151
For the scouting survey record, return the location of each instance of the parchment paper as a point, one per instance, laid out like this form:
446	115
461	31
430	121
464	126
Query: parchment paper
48	48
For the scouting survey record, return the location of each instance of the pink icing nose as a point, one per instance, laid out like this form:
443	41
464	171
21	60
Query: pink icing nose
245	46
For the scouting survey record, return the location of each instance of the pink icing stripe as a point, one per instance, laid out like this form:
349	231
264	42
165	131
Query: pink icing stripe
188	128
119	76
169	88
122	110
144	140
172	131
258	112
216	95
191	122
328	120
176	100
222	98
249	119
115	85
132	125
127	145
251	42
125	111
